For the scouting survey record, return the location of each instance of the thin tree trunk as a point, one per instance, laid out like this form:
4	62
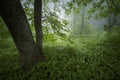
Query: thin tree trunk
38	26
74	24
83	14
15	19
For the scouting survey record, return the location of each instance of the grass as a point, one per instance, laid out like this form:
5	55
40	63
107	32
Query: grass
86	58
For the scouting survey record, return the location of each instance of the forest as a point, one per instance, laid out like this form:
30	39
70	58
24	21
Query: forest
59	39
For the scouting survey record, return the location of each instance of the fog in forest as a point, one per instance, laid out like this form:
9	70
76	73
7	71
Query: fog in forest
59	40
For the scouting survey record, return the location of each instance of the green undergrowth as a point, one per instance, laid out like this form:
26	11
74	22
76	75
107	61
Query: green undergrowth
86	58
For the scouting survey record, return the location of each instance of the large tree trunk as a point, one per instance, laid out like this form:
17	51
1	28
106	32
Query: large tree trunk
14	17
38	26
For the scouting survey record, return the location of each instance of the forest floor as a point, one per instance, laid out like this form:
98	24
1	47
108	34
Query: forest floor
86	58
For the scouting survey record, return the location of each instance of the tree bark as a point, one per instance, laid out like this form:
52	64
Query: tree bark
38	26
15	19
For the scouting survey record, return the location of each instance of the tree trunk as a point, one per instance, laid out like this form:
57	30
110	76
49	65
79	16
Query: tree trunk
38	26
83	16
15	19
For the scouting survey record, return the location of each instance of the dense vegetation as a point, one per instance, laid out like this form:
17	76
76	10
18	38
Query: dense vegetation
87	58
83	46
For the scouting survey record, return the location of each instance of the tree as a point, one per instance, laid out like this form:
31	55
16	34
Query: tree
83	17
38	26
52	23
15	19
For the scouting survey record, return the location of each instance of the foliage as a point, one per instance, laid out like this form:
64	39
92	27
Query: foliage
87	58
51	21
103	8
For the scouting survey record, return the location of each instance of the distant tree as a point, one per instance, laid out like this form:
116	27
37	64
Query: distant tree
15	19
83	17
